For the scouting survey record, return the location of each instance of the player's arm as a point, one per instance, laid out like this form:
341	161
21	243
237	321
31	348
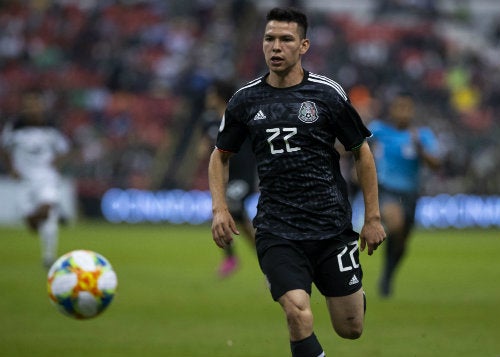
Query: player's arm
62	149
5	151
432	160
223	226
5	156
372	233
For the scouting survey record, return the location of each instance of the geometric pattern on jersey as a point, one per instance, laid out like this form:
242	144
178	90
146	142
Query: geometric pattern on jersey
303	195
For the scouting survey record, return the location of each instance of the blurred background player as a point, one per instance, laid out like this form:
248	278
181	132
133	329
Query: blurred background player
242	173
32	148
401	150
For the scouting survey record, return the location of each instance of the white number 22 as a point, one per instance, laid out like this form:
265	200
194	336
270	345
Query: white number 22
276	133
351	255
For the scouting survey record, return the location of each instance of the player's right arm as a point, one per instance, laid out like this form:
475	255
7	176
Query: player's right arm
6	151
372	234
11	169
223	226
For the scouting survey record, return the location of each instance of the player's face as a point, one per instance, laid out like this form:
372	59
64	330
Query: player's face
33	107
283	46
402	111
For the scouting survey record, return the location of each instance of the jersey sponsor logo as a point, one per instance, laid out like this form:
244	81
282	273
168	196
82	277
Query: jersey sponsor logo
259	116
308	113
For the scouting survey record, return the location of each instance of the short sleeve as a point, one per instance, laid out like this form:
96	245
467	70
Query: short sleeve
351	131
429	141
232	131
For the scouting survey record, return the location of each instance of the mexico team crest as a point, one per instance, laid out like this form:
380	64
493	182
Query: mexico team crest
308	113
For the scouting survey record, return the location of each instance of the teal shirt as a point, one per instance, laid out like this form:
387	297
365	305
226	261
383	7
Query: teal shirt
398	164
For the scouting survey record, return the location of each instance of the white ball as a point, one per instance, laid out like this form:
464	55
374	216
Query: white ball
82	284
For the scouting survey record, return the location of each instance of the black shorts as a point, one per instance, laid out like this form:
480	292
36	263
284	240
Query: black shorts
407	201
236	194
333	266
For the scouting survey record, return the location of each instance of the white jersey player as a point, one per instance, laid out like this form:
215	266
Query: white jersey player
33	148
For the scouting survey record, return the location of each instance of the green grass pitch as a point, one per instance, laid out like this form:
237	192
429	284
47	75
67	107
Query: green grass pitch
170	302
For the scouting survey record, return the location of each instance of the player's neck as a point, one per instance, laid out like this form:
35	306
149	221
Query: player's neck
285	80
402	127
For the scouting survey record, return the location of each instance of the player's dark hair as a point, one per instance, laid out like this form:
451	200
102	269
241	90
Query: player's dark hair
289	15
399	93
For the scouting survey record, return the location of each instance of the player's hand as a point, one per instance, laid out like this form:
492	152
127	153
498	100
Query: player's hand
223	228
415	137
372	235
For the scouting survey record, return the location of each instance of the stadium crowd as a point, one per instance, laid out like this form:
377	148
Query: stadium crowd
126	80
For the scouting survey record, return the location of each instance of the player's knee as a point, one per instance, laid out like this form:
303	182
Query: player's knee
297	314
351	330
32	223
44	211
393	217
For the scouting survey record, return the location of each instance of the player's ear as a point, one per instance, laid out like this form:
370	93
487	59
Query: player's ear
304	46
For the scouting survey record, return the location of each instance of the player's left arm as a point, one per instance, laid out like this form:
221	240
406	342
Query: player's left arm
5	156
62	149
6	150
372	234
223	225
427	147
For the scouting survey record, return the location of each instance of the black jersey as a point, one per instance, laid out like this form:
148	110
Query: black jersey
292	132
242	166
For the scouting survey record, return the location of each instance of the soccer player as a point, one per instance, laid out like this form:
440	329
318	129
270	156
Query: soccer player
33	148
303	224
242	172
401	150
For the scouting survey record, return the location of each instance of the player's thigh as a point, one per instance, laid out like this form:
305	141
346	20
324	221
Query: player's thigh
286	268
347	313
35	193
46	192
393	216
25	203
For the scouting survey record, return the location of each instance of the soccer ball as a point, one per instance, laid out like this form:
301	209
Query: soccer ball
81	284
